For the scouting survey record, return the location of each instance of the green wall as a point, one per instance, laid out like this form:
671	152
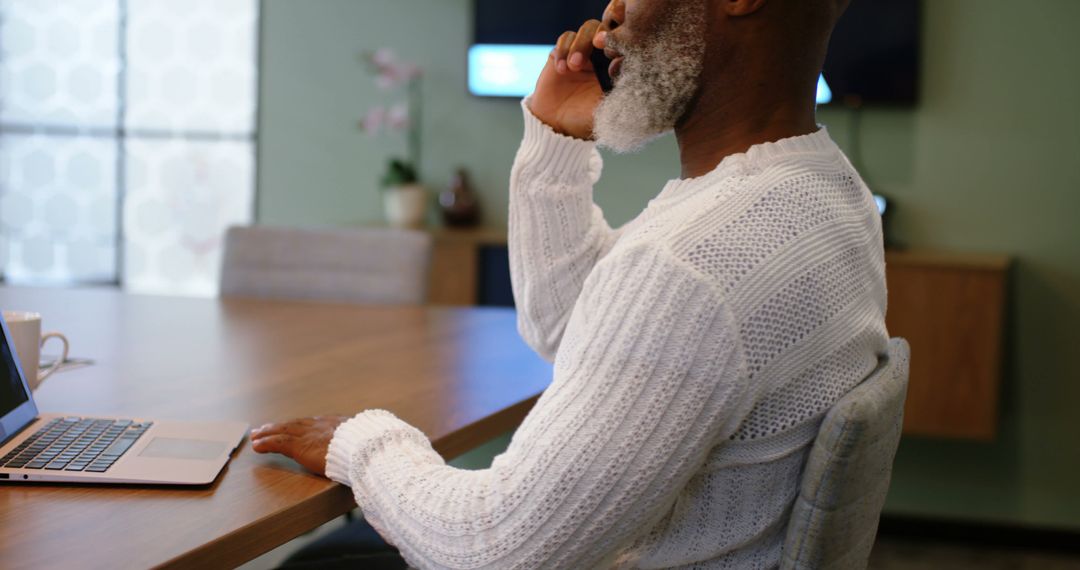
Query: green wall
990	161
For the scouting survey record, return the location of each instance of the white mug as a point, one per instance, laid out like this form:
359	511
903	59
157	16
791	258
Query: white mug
26	336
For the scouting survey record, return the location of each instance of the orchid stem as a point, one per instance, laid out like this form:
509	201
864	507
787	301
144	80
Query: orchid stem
415	119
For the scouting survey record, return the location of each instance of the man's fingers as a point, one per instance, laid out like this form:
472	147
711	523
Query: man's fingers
281	443
268	429
573	50
562	50
582	48
290	427
600	39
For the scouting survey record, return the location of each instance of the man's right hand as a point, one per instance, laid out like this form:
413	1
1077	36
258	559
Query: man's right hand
568	91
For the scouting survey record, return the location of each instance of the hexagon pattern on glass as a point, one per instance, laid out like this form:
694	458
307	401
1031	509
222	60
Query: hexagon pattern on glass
182	196
192	65
59	62
58	201
189	71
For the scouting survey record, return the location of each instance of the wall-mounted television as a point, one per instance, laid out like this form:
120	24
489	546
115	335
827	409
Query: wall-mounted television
873	58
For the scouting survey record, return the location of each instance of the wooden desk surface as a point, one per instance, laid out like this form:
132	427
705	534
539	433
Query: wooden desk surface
460	375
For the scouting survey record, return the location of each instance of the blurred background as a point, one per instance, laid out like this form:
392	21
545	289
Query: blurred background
133	133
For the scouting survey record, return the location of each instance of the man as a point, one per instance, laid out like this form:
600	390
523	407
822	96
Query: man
696	349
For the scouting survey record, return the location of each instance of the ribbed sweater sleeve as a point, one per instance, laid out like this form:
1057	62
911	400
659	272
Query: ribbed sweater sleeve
556	232
645	384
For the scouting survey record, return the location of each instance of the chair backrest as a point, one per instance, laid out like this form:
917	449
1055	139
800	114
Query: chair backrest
835	518
371	266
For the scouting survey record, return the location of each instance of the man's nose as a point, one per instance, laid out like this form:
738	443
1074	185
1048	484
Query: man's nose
614	14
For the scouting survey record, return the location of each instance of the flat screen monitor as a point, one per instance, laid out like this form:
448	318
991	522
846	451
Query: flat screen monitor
873	58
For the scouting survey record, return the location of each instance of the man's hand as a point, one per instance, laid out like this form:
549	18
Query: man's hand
305	440
568	91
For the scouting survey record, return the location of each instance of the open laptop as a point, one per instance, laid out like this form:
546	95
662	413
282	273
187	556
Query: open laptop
54	448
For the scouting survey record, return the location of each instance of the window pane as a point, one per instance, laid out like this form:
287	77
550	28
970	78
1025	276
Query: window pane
58	208
58	62
192	65
181	196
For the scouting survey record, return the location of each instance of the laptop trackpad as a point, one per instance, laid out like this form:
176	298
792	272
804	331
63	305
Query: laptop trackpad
172	448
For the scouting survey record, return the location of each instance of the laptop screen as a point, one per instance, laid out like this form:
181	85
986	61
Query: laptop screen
17	409
12	393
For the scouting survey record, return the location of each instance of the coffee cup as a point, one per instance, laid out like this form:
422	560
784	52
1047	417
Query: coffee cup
25	329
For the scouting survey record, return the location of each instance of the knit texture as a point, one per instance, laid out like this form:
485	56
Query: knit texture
696	350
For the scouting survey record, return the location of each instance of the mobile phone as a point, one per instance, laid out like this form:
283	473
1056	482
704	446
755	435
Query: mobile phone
601	64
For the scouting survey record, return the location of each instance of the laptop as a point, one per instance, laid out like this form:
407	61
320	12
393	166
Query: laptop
53	448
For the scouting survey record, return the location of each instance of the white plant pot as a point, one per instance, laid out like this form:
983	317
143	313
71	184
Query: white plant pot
405	206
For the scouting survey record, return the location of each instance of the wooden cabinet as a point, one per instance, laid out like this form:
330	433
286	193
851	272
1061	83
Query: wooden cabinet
455	264
949	307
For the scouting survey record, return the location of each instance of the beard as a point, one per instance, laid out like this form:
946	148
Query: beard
657	82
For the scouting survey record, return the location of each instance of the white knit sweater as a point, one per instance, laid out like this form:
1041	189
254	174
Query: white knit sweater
696	350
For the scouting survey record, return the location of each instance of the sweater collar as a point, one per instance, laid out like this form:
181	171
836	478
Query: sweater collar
755	159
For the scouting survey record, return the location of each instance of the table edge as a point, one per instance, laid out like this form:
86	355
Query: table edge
249	542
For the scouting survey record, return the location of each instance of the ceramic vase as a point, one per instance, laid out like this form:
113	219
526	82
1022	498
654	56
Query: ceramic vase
405	206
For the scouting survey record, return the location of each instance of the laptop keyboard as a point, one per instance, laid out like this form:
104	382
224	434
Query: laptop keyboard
76	444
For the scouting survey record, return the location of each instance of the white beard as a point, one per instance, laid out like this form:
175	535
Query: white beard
656	83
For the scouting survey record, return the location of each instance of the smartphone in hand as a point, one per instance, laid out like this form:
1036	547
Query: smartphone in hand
601	64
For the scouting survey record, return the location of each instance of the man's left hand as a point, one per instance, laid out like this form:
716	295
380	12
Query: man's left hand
304	440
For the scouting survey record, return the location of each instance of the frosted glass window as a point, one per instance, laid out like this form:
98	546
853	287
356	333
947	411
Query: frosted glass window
182	196
125	114
58	201
192	65
59	62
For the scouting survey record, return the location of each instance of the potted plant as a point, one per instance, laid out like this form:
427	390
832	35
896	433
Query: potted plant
404	198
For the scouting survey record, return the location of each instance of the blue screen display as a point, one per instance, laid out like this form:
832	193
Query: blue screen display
509	70
505	70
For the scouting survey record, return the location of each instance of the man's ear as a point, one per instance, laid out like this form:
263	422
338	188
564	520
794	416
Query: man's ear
736	8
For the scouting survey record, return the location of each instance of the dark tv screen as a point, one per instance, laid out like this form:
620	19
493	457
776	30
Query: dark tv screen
873	58
874	53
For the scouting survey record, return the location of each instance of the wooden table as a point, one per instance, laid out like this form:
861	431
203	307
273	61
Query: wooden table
462	376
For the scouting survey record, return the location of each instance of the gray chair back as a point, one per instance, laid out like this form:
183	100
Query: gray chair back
835	518
370	266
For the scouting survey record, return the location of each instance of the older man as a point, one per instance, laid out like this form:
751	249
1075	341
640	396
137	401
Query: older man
696	348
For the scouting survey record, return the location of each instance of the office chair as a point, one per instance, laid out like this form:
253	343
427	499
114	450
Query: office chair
369	266
835	518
